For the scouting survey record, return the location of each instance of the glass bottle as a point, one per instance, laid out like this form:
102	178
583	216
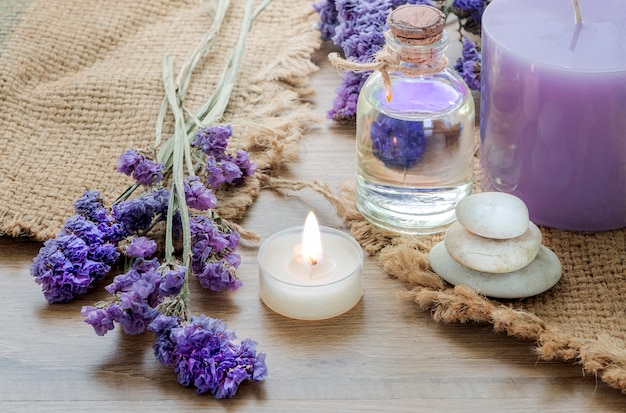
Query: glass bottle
415	151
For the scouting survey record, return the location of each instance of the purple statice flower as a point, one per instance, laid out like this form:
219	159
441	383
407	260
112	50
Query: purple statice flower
231	171
242	160
141	247
136	295
397	143
197	195
71	263
212	140
469	64
220	275
143	170
215	174
347	96
222	167
99	318
470	14
139	214
469	5
172	280
214	261
127	161
91	206
328	18
125	282
203	354
359	33
148	172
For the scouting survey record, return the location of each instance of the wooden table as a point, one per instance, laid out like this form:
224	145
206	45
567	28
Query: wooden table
383	355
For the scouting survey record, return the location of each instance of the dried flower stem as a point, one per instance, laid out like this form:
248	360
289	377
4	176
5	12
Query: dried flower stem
176	151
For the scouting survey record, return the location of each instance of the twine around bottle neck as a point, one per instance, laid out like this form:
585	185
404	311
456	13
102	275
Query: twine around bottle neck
387	60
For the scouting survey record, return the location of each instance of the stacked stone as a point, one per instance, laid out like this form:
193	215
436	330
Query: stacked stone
495	249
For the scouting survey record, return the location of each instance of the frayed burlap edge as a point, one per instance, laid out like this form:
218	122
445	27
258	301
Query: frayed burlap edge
406	259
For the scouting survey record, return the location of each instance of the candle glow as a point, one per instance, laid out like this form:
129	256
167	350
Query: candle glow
311	250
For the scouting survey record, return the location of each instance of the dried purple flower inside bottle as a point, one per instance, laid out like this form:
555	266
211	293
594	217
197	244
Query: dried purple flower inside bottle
397	143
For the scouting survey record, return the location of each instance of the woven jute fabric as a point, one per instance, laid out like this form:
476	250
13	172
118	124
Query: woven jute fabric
582	319
81	82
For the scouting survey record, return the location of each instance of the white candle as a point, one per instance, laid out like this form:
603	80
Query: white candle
314	278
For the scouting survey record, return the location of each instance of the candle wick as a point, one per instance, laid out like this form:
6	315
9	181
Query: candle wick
577	14
313	261
572	45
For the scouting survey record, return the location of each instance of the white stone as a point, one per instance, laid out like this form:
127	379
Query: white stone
492	255
539	276
496	215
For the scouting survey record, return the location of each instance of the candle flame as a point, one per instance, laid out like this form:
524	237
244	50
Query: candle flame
311	240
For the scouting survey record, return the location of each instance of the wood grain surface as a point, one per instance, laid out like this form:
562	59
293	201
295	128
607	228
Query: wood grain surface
383	355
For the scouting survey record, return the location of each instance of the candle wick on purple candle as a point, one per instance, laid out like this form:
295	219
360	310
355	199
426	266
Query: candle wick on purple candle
577	30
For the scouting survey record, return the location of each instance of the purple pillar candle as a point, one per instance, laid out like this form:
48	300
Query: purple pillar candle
553	110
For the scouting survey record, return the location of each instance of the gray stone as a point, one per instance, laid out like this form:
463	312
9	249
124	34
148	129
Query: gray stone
539	276
492	255
496	215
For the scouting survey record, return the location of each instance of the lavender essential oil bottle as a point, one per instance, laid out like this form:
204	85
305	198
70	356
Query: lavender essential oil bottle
415	129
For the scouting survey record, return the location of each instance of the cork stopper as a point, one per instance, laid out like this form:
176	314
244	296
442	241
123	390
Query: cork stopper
416	23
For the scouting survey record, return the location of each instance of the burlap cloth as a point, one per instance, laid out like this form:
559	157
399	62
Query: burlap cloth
80	82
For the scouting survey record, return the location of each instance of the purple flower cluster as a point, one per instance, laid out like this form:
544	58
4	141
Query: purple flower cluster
357	27
470	13
86	247
137	294
221	166
143	170
397	143
197	195
151	293
214	261
141	247
139	214
81	254
204	356
469	64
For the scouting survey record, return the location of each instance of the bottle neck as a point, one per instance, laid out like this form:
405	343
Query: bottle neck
418	56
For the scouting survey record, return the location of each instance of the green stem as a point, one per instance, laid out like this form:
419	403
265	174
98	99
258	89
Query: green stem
177	191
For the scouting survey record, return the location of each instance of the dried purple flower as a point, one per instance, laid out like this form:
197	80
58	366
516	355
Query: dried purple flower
397	143
197	195
172	280
144	171
327	11
136	295
247	167
91	206
469	5
139	214
469	64
127	161
72	262
141	247
203	355
148	172
213	261
212	140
